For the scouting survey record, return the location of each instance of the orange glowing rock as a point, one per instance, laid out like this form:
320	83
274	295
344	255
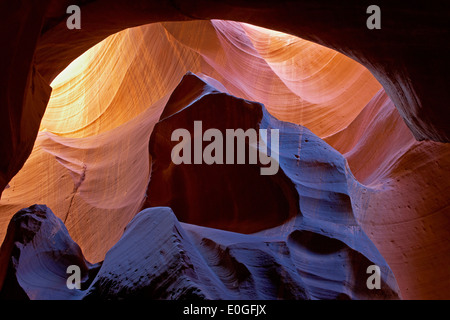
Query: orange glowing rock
90	162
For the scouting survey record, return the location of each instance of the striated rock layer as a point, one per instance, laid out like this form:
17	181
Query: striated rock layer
408	58
309	244
404	207
90	162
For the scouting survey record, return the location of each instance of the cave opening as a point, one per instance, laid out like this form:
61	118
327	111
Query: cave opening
402	178
121	83
105	104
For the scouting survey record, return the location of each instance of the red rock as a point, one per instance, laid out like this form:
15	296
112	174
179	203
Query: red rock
91	166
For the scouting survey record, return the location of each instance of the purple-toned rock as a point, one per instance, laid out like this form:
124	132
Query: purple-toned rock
35	255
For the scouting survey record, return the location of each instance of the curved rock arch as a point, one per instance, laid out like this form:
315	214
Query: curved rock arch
408	55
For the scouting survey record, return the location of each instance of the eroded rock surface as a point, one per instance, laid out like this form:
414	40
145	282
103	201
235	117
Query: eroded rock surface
158	257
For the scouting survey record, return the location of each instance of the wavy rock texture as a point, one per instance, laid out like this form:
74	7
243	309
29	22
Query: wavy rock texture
91	152
241	198
408	58
404	208
90	162
182	261
317	215
35	256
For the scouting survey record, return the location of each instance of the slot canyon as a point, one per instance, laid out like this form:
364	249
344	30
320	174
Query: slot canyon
87	178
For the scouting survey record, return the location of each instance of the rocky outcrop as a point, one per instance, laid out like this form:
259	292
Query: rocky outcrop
88	158
239	196
313	180
159	258
35	255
